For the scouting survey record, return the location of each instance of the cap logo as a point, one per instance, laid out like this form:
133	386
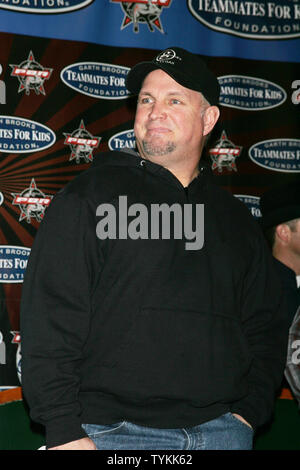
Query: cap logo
167	56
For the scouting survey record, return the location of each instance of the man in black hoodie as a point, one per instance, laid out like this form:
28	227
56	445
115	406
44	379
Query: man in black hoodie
138	334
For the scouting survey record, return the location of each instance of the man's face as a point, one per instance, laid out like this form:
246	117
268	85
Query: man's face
169	124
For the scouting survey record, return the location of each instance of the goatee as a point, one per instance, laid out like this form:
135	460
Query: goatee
155	150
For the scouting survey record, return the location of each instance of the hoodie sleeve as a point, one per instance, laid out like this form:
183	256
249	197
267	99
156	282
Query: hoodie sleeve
55	315
265	325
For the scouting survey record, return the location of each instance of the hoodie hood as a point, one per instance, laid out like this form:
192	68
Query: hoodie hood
131	158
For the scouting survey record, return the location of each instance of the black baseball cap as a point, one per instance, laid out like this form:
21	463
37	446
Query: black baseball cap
280	204
184	67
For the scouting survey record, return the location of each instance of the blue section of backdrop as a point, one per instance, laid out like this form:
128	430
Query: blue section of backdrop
208	27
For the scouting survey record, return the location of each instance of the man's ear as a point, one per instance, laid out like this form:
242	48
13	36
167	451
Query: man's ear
211	115
283	232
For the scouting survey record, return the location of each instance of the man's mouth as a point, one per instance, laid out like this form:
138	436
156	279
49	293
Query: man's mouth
158	130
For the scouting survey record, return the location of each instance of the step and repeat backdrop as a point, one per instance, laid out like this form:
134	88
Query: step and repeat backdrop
63	102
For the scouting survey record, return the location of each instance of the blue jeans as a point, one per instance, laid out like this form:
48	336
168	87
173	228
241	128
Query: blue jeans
224	433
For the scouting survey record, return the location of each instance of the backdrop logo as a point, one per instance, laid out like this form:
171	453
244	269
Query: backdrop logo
254	20
106	81
143	12
252	202
277	154
82	144
31	75
2	89
19	135
32	203
123	140
224	154
296	93
13	263
250	93
44	6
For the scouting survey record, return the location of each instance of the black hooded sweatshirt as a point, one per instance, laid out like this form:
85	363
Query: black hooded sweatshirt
141	328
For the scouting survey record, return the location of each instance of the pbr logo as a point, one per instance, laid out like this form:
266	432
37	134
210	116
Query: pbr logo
82	144
31	75
224	154
143	12
32	203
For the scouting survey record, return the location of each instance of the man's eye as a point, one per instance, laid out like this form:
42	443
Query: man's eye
175	101
145	100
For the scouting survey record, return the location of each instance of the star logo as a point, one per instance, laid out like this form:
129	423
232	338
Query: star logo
31	75
32	203
143	12
82	144
224	154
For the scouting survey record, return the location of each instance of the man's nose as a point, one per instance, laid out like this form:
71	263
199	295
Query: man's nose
157	111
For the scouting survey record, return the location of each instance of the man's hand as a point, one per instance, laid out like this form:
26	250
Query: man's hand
242	419
81	444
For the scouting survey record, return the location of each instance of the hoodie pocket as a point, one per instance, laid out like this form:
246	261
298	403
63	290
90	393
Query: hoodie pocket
176	354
